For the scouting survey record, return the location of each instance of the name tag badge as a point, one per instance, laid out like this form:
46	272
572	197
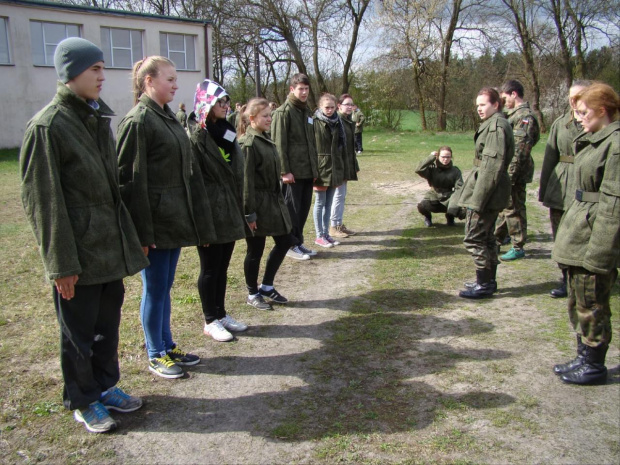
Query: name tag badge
229	135
310	121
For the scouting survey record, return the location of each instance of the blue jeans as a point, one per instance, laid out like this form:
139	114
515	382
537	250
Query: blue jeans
338	205
155	307
322	210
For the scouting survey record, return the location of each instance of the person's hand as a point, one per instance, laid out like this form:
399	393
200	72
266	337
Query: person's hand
146	249
66	286
288	178
252	226
435	154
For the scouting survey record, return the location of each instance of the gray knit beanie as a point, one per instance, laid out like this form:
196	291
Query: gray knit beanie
73	56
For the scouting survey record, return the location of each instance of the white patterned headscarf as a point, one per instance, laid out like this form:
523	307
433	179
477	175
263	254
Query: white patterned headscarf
207	93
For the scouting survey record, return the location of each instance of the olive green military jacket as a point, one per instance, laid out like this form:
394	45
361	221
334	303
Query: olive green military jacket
224	184
351	165
358	118
232	118
330	157
182	117
262	192
526	134
71	196
160	179
443	179
557	180
589	233
292	130
488	185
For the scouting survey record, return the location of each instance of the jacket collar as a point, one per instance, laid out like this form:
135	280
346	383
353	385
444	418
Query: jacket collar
517	108
491	120
598	136
261	135
66	96
153	105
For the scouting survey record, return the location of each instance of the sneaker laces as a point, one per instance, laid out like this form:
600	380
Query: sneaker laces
166	361
177	351
115	394
98	410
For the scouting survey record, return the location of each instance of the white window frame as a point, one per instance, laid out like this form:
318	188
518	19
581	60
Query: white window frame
6	40
45	44
184	66
108	30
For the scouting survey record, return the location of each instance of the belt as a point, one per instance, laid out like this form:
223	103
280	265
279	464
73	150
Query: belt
584	196
477	161
567	159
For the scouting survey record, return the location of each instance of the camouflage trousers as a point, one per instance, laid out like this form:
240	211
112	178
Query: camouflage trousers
555	216
513	219
479	239
588	304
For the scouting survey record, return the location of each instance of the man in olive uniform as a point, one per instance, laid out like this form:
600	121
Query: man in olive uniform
292	130
181	115
358	118
557	181
86	238
513	219
233	118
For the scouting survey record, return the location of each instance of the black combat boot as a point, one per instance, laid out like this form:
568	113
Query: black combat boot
560	291
493	281
483	287
593	370
428	222
575	363
449	219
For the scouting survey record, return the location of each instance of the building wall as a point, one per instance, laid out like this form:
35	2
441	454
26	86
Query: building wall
25	88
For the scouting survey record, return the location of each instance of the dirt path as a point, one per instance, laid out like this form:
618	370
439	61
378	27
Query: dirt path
477	375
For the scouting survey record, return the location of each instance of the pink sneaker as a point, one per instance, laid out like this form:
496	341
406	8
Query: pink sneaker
322	242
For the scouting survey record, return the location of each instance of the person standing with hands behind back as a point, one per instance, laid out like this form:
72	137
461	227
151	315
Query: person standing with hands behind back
486	191
292	130
85	234
588	239
163	189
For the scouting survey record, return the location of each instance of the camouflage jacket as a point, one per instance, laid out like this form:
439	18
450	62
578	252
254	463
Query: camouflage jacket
526	133
557	181
589	233
488	186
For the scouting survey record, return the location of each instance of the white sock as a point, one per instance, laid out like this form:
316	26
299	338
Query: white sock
266	288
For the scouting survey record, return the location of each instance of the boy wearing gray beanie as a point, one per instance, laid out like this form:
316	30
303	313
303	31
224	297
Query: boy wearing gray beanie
86	237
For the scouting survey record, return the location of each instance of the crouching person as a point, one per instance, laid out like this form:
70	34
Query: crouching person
86	237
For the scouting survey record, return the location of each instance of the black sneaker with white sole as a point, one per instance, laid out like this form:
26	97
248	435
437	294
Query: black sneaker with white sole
273	295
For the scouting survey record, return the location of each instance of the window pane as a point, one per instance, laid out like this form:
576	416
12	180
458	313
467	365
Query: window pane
120	38
163	44
73	30
49	53
176	42
4	42
122	58
38	50
54	33
190	55
106	46
178	59
136	45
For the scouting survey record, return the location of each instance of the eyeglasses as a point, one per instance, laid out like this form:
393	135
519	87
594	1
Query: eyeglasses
223	103
347	104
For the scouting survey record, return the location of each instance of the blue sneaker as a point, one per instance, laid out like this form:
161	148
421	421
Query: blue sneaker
513	254
96	418
117	399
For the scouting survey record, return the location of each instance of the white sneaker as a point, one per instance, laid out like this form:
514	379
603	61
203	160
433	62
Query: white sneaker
297	254
216	330
231	324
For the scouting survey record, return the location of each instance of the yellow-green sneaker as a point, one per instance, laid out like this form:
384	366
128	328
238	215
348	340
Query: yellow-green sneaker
182	358
165	367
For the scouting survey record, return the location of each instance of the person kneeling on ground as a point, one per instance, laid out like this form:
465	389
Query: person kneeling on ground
444	179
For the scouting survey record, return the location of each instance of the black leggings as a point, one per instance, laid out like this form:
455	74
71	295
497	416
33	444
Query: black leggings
214	261
256	246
